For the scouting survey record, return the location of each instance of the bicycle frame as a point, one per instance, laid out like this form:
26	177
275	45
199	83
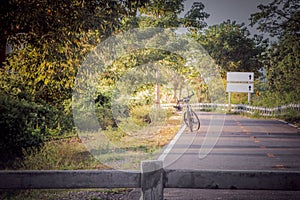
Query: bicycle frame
190	117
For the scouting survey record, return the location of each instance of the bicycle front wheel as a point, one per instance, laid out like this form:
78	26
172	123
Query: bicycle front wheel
191	120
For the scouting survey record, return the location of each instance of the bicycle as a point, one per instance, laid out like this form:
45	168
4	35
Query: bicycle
190	117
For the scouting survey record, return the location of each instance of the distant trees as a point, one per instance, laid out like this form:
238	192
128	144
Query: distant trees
281	19
230	45
163	14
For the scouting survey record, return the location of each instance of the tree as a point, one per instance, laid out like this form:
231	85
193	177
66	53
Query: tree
57	21
165	14
281	18
195	18
49	40
54	37
231	47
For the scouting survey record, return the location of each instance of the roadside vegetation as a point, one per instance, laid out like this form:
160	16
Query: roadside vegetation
290	116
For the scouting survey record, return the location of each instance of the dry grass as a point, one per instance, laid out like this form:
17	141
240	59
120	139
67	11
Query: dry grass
65	154
71	153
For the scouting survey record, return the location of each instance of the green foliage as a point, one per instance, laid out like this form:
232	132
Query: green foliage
165	14
255	114
26	124
46	73
279	17
22	124
283	70
282	63
114	134
140	114
231	47
239	98
158	13
291	116
103	110
195	17
49	41
56	24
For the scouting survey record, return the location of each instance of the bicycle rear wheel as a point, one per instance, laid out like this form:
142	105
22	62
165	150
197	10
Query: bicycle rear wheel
192	121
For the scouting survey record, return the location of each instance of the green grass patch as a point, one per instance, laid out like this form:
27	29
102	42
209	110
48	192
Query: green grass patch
292	116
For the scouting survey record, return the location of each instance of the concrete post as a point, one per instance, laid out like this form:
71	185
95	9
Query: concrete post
152	180
229	101
249	98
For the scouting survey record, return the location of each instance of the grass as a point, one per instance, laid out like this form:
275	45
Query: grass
290	116
71	154
125	150
65	154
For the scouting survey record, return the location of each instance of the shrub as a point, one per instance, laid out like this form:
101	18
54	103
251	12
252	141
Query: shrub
20	125
103	111
26	124
57	155
140	114
291	116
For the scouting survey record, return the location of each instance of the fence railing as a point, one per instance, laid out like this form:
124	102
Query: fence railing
152	179
241	108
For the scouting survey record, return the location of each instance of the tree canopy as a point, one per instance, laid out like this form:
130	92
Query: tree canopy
49	41
232	48
40	22
281	18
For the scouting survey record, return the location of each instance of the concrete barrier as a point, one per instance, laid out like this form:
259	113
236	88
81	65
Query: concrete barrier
152	179
254	180
59	179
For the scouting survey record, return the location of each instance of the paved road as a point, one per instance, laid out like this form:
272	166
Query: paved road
244	144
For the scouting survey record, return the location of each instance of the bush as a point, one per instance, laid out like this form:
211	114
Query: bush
103	111
291	116
57	155
20	125
256	114
141	114
26	124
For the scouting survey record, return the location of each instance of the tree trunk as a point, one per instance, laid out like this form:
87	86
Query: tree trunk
3	40
157	101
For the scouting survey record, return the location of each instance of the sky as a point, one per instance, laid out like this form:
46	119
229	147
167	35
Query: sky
221	10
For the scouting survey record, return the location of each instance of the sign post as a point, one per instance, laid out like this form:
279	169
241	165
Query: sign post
239	82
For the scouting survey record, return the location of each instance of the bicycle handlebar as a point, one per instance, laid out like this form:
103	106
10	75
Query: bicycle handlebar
186	99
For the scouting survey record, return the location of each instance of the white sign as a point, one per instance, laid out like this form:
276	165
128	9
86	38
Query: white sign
240	76
240	87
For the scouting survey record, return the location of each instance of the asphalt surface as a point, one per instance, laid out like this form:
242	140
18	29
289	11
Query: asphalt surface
243	144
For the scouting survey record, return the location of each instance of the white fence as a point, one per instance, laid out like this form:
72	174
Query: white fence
241	108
